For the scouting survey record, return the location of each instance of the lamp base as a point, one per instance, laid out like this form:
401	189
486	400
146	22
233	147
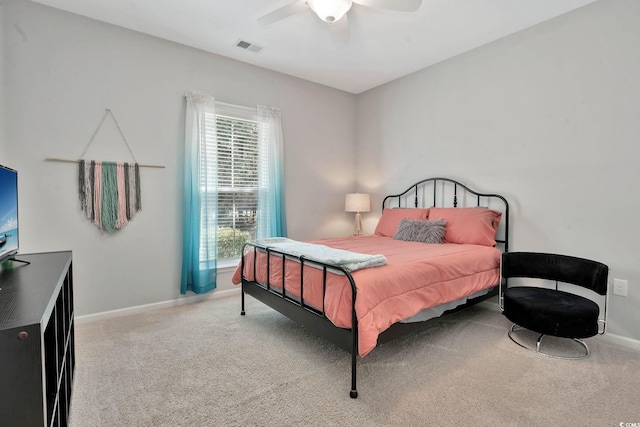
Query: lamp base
357	224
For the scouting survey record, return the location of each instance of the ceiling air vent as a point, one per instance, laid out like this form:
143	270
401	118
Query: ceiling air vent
248	46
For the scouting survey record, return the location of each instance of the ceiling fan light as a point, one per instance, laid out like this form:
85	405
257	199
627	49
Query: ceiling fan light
330	10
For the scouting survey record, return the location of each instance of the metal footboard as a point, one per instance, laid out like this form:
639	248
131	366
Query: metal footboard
313	318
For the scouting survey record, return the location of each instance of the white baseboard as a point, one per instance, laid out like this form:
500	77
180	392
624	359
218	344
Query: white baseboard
154	306
490	304
620	340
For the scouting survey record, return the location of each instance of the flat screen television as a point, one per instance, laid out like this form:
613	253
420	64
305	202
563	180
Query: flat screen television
8	213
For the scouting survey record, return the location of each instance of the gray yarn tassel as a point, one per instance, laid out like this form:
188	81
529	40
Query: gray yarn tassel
138	198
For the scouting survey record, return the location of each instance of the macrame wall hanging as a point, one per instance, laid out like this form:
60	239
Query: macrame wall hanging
109	191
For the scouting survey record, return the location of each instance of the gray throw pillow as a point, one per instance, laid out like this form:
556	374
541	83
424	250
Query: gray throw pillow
420	231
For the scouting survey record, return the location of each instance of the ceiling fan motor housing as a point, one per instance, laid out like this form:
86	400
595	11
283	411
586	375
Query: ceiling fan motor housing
330	10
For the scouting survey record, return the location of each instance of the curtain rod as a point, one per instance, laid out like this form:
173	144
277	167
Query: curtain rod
55	159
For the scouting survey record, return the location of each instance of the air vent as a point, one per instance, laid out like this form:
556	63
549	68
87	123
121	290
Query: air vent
248	46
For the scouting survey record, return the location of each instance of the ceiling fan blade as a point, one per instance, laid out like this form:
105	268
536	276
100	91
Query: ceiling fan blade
283	12
339	30
400	5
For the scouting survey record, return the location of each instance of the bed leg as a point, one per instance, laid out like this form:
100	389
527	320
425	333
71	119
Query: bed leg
354	341
354	391
242	312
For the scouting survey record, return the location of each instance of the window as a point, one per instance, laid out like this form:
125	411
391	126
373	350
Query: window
233	159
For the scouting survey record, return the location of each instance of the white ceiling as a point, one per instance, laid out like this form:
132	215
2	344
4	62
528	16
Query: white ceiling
384	45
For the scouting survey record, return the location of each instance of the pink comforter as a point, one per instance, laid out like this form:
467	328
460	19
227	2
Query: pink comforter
416	276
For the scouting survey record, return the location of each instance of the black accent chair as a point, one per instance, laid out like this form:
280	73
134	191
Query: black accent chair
552	311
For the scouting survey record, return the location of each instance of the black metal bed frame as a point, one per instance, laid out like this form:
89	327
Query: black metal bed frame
315	319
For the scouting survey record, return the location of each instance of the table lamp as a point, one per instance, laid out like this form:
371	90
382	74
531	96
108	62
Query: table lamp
357	202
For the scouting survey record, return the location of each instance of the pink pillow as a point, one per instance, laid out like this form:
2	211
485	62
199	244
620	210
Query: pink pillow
475	226
388	223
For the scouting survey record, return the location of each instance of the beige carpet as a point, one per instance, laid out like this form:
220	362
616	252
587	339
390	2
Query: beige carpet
203	364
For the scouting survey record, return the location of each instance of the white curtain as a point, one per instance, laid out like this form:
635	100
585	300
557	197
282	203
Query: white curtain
271	218
200	196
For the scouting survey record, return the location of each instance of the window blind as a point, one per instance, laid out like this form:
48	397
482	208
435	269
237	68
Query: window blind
229	179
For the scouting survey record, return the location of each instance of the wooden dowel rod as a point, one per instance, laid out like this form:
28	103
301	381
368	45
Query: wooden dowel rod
55	159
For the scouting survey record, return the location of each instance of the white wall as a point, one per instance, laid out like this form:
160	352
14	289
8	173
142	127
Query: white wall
62	71
547	117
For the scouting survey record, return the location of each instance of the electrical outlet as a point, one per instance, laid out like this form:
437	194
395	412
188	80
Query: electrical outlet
620	287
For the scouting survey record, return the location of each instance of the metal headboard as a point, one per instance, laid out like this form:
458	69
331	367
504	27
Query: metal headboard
446	192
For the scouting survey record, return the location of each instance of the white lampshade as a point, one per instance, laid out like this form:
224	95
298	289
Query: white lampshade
330	10
357	202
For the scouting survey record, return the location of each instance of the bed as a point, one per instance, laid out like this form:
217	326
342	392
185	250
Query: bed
436	249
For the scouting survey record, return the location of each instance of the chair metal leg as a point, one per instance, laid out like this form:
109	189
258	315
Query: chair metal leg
515	328
538	341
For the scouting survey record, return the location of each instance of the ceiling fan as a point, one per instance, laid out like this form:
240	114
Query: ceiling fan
334	12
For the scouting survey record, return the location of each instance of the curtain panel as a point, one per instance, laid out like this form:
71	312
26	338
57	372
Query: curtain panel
271	218
200	197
